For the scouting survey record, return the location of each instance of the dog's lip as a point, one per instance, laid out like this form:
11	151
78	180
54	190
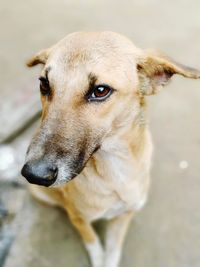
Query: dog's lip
75	174
67	179
38	182
42	183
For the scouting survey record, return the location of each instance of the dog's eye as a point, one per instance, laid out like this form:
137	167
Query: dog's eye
44	86
100	93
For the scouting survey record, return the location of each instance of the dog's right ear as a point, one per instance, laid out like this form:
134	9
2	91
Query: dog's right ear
39	58
156	69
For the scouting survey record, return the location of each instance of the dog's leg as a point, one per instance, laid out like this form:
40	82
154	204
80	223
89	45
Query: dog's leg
115	234
90	239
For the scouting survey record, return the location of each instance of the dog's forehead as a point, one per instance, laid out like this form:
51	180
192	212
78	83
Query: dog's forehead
109	56
97	48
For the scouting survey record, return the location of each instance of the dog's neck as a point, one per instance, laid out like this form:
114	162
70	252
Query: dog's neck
119	163
133	132
130	139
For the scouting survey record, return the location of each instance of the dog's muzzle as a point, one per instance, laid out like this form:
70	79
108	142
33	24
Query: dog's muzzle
40	172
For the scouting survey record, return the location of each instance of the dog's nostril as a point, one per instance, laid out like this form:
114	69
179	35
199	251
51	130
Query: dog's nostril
54	171
49	175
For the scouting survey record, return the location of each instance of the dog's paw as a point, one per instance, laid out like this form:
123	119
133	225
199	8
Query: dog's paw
96	253
112	258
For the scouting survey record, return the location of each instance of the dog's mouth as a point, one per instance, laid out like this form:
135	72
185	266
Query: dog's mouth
43	173
39	173
78	168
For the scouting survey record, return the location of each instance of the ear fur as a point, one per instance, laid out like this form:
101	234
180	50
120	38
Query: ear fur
156	69
39	58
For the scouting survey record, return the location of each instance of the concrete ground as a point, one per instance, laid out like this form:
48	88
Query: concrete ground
166	233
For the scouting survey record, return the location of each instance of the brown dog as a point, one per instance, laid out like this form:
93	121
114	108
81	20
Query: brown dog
93	129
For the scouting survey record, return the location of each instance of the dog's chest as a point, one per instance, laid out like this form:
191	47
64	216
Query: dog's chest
131	201
117	209
106	197
112	203
129	184
112	183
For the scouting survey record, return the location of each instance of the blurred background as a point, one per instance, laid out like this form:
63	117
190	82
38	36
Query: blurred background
166	233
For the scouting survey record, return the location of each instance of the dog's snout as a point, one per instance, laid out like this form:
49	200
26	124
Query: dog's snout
40	173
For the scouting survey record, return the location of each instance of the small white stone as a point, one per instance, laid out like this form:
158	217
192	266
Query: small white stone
7	157
183	164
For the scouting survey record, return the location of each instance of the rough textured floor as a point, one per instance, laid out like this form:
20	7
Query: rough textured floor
166	233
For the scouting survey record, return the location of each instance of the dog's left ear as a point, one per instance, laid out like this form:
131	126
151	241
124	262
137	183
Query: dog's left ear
155	70
39	58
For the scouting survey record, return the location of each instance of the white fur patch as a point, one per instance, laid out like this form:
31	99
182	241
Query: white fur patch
119	208
40	195
96	253
113	258
63	173
140	204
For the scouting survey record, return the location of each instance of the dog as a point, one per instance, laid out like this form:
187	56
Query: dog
92	152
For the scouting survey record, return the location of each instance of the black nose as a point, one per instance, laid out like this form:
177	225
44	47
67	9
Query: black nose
40	172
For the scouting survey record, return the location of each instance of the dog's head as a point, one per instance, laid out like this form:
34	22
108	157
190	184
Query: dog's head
91	87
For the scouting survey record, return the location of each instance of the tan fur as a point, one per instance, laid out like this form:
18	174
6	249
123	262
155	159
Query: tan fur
115	180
